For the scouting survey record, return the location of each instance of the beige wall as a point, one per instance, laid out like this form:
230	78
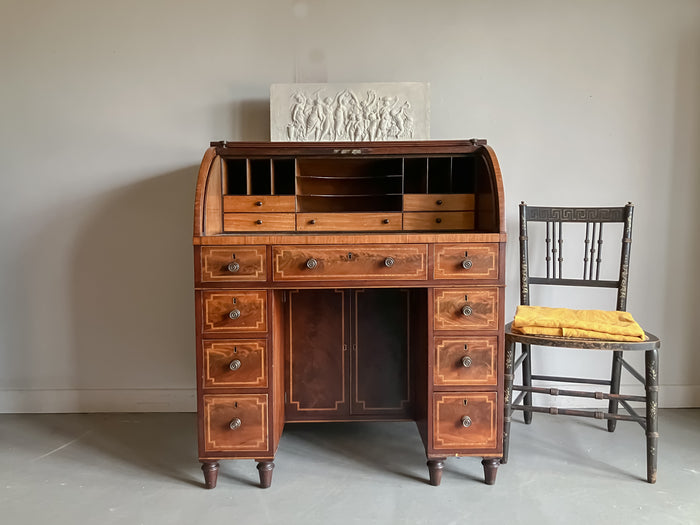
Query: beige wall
107	107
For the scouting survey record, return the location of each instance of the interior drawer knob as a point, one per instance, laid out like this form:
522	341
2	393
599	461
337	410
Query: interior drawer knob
234	314
233	267
466	361
466	310
259	203
466	421
235	364
466	264
389	262
259	221
311	263
236	423
438	202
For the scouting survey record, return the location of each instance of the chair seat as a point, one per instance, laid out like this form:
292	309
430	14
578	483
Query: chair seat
574	342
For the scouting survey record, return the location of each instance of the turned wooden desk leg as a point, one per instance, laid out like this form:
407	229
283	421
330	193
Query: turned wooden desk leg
490	469
435	468
265	471
211	473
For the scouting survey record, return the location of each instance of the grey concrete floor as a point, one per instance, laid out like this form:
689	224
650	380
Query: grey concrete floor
143	469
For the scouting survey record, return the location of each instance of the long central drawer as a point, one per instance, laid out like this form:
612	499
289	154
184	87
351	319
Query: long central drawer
363	262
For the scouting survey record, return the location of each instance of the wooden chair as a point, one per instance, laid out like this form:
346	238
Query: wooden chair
556	221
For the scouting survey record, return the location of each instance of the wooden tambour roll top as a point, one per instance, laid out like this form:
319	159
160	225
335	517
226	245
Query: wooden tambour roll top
349	281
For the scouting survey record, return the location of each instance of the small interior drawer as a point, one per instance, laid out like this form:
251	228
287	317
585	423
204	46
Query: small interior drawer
240	363
466	261
236	422
259	203
466	308
233	263
464	361
362	262
465	421
449	220
438	202
261	222
348	221
234	311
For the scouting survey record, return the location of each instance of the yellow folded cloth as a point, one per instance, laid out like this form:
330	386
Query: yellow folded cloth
587	324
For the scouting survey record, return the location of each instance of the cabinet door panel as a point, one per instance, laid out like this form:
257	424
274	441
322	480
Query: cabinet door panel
380	362
317	362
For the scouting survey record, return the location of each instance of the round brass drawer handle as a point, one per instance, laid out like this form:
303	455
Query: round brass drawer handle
233	267
235	364
438	220
466	421
466	361
438	202
467	264
311	263
259	203
389	262
234	314
235	423
466	310
259	221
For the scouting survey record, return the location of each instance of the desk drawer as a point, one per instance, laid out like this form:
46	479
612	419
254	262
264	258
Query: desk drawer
438	202
235	423
234	311
463	361
466	308
259	203
233	263
466	261
369	262
262	222
449	220
348	221
465	421
240	363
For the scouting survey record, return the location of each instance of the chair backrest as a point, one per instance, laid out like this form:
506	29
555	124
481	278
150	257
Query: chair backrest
593	219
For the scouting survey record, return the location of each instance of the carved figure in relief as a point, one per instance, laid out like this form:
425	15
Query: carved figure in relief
347	117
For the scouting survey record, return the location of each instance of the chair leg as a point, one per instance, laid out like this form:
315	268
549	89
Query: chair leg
614	387
527	381
652	395
508	398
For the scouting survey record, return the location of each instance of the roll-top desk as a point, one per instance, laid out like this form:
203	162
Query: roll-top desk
349	282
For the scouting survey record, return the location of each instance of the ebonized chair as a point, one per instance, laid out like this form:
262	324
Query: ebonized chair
556	221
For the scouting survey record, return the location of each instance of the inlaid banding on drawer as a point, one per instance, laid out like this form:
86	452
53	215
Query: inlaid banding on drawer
235	422
235	311
466	261
466	308
364	262
463	361
233	263
239	363
465	421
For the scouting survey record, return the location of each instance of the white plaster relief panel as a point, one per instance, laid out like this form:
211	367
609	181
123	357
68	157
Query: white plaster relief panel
350	112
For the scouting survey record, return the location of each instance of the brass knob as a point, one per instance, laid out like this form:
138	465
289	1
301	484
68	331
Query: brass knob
234	314
438	220
466	264
259	221
466	310
466	421
312	221
438	202
311	263
389	262
386	221
235	364
233	267
466	361
258	203
235	423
